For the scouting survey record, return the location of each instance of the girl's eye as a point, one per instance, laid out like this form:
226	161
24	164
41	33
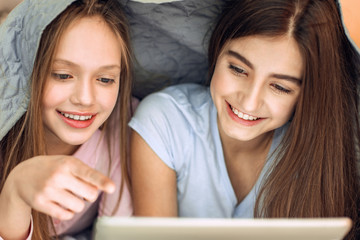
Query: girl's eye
237	70
281	89
106	80
61	76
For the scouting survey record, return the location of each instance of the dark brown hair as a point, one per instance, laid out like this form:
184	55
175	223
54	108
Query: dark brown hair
315	172
26	138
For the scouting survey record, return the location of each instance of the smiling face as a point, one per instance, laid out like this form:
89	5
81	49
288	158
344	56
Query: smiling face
82	88
255	85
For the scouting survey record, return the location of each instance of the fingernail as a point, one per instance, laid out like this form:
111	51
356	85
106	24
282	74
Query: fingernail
111	188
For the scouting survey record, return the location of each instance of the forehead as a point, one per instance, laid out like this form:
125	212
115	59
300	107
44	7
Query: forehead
89	40
279	53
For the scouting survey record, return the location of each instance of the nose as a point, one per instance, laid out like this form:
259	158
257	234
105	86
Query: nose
83	92
252	96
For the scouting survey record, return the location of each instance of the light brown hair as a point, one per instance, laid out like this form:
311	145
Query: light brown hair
26	138
315	172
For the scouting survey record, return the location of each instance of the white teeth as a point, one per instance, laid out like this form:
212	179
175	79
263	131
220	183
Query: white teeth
243	115
76	117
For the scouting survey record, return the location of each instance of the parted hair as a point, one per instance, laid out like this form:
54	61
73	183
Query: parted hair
315	173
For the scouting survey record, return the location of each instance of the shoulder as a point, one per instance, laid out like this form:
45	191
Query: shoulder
170	120
184	107
175	99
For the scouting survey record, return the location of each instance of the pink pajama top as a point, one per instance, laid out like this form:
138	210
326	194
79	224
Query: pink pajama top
95	154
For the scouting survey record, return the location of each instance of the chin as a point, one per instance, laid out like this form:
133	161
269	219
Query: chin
76	140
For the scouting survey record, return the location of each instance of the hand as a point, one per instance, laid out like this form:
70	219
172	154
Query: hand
57	185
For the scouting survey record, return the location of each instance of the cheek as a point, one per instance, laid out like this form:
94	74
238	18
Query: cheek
109	99
284	110
220	84
53	95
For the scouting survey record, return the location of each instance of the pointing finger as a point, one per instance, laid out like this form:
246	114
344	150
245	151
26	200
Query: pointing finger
93	177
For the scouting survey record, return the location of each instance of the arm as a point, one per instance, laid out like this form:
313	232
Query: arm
153	182
8	5
54	185
351	18
14	214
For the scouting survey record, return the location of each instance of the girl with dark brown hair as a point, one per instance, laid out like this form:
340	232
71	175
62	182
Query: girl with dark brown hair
276	134
65	79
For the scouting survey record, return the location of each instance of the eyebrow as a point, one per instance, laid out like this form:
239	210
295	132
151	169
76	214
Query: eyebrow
250	65
72	64
286	77
241	58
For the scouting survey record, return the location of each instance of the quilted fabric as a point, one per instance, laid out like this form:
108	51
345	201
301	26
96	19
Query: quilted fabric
19	39
170	41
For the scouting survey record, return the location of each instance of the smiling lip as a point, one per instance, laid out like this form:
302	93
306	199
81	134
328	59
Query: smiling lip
242	121
74	123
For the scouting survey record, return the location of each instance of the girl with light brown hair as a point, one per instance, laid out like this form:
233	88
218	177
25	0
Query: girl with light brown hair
65	79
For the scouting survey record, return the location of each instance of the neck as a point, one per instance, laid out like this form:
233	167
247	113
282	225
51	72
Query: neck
257	148
258	144
245	160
